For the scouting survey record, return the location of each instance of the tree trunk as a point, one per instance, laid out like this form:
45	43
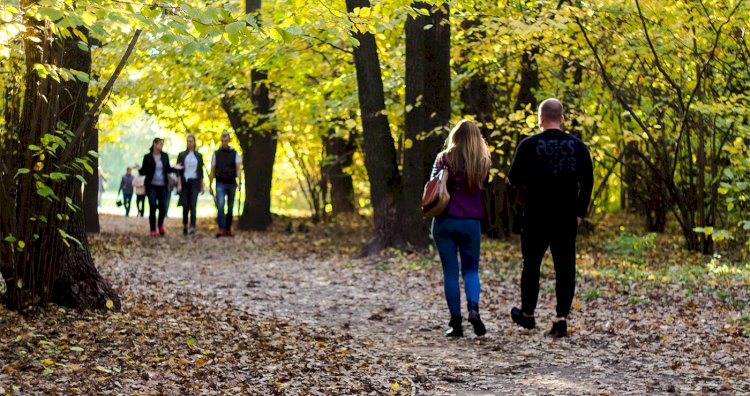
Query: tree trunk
54	263
258	144
339	155
428	102
378	145
258	156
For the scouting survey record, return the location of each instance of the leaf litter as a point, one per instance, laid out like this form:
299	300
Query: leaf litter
289	312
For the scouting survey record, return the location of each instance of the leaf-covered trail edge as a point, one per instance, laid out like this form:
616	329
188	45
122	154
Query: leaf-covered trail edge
304	305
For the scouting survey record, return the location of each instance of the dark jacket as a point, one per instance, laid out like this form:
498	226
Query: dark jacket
149	167
553	169
226	165
126	184
181	160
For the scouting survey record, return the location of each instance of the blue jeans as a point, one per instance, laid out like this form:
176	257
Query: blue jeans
225	195
458	237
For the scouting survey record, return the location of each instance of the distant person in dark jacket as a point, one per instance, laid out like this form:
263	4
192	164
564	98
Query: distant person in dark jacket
126	186
226	165
457	231
553	169
190	183
156	167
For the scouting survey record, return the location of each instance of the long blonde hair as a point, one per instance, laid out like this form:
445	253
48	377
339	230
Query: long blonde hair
467	152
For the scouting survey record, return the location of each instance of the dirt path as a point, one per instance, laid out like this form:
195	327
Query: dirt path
400	315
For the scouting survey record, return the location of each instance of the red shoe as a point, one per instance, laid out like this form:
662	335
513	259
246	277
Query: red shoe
221	233
161	231
228	233
153	233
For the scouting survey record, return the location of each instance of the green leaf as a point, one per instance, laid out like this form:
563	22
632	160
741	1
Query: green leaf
150	12
234	27
22	171
53	14
191	341
44	191
12	239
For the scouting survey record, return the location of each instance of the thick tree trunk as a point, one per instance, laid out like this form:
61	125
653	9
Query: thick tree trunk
428	102
339	154
380	152
258	156
54	263
258	144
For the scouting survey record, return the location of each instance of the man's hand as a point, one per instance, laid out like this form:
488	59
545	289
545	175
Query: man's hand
203	187
580	220
179	167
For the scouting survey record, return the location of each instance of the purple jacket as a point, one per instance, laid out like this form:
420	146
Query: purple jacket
465	202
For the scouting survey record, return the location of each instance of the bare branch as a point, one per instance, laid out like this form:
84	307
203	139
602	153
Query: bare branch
659	66
699	80
90	115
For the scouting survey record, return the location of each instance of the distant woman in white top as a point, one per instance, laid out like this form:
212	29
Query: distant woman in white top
189	183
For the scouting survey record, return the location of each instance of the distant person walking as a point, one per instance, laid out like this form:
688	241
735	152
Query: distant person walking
553	169
156	167
139	184
190	183
226	165
126	187
457	231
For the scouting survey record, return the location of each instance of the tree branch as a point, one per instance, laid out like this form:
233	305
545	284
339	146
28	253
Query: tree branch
90	115
659	66
698	82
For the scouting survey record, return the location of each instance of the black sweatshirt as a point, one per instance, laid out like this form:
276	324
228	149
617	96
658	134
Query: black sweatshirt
553	169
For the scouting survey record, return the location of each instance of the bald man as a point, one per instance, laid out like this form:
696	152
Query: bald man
553	169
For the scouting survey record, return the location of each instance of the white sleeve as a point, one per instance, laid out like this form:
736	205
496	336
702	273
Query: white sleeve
213	160
238	159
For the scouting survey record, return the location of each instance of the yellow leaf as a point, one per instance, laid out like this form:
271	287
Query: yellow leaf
110	304
531	121
408	143
47	362
394	386
364	12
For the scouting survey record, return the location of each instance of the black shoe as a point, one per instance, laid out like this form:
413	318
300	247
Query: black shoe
475	321
559	329
527	322
455	329
184	231
192	232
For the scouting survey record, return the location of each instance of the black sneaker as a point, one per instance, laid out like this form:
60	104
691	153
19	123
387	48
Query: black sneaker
475	321
192	232
559	329
184	231
527	322
455	329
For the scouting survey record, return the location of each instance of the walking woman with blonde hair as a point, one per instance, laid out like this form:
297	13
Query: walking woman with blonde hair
457	230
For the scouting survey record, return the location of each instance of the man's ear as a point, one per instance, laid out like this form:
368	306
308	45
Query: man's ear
562	119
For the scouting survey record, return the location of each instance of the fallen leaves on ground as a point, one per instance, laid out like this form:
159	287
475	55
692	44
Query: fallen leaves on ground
293	311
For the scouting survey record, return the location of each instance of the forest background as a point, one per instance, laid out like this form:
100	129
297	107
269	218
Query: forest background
343	106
